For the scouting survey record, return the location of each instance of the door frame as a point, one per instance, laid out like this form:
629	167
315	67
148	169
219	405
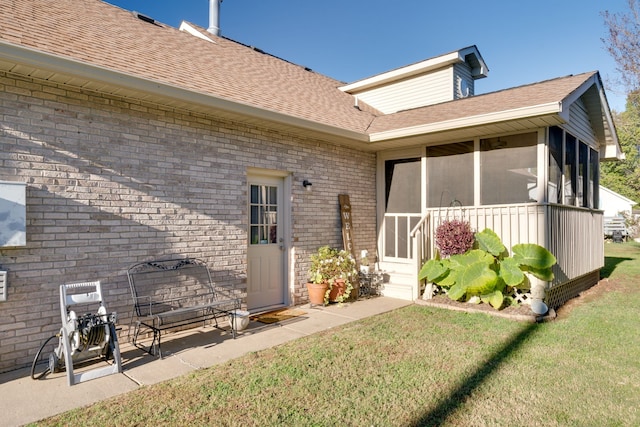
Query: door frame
396	154
287	270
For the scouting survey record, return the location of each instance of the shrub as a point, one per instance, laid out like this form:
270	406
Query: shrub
454	237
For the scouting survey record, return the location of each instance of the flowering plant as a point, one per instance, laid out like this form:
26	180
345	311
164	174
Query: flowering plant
329	264
454	237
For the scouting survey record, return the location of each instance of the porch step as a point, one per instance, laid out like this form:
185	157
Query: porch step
399	285
399	291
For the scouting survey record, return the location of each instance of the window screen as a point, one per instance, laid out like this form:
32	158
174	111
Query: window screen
450	175
508	169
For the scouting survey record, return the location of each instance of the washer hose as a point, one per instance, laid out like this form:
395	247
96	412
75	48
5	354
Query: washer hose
35	360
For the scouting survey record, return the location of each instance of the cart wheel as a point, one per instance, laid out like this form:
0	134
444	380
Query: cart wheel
54	363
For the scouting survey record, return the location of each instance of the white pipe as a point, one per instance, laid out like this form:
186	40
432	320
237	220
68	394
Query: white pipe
214	17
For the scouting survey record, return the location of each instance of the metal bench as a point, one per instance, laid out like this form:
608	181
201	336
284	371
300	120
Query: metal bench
174	294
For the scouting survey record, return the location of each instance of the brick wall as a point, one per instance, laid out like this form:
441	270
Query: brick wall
112	181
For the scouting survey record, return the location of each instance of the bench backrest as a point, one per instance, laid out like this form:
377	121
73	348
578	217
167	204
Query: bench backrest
158	286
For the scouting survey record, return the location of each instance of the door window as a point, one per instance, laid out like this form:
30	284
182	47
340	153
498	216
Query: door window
264	214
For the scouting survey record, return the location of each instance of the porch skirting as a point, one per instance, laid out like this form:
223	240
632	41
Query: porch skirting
560	294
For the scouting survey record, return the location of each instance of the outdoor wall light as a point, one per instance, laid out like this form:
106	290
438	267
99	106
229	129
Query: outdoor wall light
307	184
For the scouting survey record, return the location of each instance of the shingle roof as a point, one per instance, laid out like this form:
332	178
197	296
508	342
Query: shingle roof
101	34
509	99
98	33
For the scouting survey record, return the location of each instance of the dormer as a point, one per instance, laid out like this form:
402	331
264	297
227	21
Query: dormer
443	78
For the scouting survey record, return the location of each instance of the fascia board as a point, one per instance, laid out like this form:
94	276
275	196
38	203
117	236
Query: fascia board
46	61
613	149
464	122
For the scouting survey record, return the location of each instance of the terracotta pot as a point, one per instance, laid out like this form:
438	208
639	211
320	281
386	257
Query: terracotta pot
316	292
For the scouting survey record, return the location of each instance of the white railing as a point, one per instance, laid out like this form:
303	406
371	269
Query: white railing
396	244
573	235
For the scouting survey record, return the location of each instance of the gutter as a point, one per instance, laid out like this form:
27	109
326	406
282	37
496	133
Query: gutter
72	67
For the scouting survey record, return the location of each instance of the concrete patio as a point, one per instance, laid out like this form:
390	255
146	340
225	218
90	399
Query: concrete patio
25	400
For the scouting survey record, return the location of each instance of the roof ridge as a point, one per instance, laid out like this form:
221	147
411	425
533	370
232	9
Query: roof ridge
568	76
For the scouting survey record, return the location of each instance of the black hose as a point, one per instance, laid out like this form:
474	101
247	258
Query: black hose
35	360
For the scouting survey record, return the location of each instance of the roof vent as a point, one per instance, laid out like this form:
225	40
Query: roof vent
144	18
214	17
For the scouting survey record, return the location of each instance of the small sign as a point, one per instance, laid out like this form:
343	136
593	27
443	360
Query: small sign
347	225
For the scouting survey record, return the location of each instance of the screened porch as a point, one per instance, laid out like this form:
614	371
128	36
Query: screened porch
536	187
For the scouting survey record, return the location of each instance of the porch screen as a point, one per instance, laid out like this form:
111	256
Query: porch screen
450	175
402	205
583	181
555	165
594	178
508	169
402	186
570	170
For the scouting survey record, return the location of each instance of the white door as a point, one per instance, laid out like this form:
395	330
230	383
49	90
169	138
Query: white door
265	261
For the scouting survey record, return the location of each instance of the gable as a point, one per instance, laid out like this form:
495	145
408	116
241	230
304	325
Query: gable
436	80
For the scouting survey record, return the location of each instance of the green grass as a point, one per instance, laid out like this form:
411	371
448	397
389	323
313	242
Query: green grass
422	366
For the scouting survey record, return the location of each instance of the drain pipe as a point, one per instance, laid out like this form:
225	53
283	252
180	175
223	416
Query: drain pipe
214	17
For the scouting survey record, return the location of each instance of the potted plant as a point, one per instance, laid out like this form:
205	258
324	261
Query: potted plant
335	271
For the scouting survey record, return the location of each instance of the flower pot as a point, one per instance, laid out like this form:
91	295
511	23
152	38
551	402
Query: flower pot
240	319
316	292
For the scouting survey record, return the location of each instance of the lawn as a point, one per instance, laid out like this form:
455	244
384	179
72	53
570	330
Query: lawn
422	366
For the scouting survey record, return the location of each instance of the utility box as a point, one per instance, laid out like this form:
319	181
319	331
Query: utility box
13	214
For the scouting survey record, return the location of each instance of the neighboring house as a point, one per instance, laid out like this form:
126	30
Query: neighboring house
134	140
615	207
614	204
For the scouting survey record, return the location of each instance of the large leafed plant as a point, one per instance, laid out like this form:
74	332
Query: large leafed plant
486	272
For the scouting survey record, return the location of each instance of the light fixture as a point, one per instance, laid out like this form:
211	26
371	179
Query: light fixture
307	184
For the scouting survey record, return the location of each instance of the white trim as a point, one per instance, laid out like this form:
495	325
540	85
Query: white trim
264	176
464	122
542	168
188	28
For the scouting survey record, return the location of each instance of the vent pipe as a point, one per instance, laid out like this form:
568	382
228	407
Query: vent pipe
214	17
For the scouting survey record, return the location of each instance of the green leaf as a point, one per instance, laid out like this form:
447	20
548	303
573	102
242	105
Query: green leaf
489	241
447	280
545	274
495	298
477	278
533	255
510	272
432	270
475	255
456	292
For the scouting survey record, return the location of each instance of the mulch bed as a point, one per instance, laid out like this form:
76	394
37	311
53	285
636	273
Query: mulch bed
523	312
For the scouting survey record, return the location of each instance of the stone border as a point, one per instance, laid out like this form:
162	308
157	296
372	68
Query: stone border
469	308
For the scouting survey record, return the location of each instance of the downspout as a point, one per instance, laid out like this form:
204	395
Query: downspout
214	17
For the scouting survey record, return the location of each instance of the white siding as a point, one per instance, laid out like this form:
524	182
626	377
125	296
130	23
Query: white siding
613	203
579	124
462	72
414	92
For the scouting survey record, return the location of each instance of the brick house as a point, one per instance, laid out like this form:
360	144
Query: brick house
132	140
